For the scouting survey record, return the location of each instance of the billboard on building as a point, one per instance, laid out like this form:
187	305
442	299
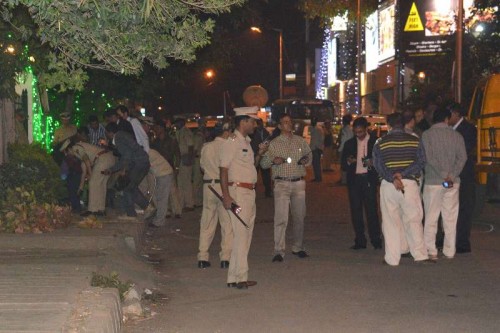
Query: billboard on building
427	26
332	62
386	23
371	42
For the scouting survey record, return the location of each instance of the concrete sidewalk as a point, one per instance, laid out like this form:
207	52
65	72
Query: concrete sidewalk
45	278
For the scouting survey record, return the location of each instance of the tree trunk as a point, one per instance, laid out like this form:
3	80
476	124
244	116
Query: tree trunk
7	132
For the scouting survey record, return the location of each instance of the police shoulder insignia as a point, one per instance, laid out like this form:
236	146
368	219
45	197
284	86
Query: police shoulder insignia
232	137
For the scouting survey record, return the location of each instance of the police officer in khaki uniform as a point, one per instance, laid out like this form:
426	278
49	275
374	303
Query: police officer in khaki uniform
66	130
238	176
184	177
213	209
95	159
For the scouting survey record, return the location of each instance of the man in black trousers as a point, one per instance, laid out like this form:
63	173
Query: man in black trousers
362	181
467	191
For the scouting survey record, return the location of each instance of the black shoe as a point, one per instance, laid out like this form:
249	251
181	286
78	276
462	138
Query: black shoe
203	264
463	250
189	209
86	213
357	247
177	216
245	284
278	258
377	247
224	264
152	225
426	261
301	254
406	255
100	213
232	285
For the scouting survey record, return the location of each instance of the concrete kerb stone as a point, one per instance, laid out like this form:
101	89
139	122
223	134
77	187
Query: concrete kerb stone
79	308
96	310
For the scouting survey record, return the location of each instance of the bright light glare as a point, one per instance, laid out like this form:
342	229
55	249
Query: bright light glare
209	74
442	6
479	28
256	29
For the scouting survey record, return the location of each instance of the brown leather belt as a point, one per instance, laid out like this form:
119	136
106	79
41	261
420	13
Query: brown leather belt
249	186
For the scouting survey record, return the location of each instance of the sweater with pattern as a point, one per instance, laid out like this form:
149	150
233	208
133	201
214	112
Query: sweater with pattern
398	152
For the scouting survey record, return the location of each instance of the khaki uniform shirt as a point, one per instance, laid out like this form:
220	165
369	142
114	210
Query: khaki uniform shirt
83	149
210	159
237	156
198	141
159	165
185	139
63	133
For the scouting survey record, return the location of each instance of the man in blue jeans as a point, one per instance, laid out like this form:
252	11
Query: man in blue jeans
133	162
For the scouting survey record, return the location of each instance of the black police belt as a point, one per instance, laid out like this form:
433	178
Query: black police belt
211	181
289	179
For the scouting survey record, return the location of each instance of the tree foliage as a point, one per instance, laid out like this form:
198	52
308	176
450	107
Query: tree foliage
330	8
116	36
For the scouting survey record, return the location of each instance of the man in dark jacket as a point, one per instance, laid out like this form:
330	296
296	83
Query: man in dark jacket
133	162
362	181
467	191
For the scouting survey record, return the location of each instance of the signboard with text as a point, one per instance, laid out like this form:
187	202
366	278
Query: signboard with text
386	33
332	62
371	42
426	27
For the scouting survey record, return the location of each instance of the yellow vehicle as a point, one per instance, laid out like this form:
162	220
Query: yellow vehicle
484	111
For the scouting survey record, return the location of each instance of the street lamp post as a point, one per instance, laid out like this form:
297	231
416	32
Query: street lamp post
280	33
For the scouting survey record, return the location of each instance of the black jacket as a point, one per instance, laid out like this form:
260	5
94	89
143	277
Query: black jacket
469	133
351	149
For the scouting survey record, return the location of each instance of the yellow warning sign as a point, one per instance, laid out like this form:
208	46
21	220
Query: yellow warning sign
414	23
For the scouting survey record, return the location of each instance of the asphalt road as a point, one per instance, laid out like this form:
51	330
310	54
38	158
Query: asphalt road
334	290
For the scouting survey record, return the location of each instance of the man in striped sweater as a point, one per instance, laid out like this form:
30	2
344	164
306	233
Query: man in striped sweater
399	159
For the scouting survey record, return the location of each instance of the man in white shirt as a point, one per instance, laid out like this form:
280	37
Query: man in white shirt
140	135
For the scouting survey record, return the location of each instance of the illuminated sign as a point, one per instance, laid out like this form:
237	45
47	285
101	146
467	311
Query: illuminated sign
332	62
386	22
339	23
427	27
371	42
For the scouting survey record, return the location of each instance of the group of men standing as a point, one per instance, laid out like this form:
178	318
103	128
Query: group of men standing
420	176
230	175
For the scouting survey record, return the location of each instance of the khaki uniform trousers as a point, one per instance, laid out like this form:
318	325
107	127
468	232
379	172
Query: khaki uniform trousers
242	238
98	182
444	201
213	211
185	184
289	196
402	211
174	200
198	191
